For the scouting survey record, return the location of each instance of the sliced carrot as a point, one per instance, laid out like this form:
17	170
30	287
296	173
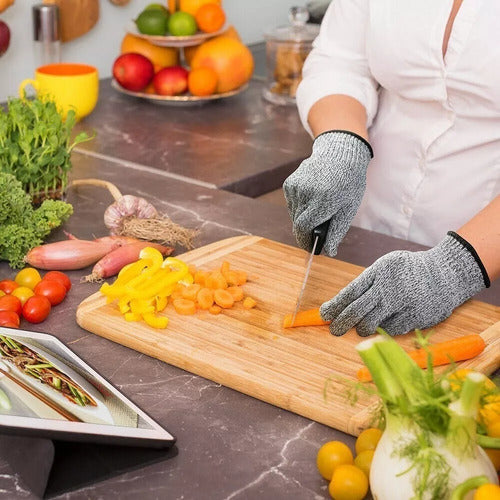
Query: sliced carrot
216	280
192	269
442	353
223	298
205	298
215	309
249	303
177	291
191	291
200	277
236	292
232	277
242	277
184	306
310	317
224	268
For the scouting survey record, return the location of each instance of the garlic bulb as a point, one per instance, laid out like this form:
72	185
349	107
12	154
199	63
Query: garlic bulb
125	207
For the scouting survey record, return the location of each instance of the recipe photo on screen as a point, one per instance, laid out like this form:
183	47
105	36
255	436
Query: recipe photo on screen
43	384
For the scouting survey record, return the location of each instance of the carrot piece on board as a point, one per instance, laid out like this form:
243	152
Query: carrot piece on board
184	306
191	291
236	292
177	292
223	298
200	277
224	268
232	277
249	303
215	309
242	277
192	269
205	298
442	353
216	280
310	317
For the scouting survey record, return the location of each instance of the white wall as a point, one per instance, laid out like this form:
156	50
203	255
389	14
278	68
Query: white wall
100	46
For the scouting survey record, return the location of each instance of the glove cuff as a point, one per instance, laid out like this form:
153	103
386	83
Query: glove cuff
348	132
472	251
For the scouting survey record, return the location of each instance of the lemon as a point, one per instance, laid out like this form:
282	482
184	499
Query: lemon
182	24
152	22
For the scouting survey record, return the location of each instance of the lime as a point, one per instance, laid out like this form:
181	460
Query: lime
182	24
152	22
157	6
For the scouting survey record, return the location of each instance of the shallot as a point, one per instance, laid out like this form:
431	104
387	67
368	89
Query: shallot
115	260
73	253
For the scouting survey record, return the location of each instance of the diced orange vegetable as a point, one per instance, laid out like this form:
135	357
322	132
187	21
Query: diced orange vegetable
192	269
200	277
215	309
232	277
216	280
223	298
177	292
191	291
236	292
205	298
310	317
242	277
249	303
443	353
184	306
224	268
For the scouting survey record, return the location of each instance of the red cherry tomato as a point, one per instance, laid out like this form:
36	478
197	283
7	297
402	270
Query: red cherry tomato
8	285
9	318
36	309
59	276
53	290
10	303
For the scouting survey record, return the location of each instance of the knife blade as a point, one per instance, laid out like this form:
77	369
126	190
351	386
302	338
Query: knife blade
319	238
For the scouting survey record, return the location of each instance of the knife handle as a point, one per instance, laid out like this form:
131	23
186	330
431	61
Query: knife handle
320	232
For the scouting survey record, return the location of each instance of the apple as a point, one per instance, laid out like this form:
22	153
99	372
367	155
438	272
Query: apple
4	37
133	71
172	80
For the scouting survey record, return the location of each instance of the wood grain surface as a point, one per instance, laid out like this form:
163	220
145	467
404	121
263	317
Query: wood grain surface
304	370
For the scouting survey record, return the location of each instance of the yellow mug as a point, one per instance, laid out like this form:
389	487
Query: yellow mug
69	85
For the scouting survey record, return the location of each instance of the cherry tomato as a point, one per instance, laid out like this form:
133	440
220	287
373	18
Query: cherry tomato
9	318
28	277
53	290
10	303
368	439
348	483
364	460
23	293
59	276
36	309
8	285
487	492
331	455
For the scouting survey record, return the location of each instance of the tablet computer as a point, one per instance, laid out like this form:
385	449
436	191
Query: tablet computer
46	390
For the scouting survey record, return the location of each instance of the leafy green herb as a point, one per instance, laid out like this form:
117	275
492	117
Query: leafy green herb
23	227
35	144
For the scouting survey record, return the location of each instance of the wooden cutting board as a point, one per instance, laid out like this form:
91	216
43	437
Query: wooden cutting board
305	370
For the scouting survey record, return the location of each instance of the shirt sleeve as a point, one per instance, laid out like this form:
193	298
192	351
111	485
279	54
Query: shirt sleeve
337	63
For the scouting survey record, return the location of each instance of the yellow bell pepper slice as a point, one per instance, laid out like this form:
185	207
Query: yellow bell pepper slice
155	321
130	316
161	302
141	306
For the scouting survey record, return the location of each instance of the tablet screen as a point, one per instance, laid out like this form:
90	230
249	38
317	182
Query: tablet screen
47	390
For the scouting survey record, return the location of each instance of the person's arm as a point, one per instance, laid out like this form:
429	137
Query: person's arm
483	233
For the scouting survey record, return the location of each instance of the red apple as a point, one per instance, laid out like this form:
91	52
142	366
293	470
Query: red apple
172	80
133	71
4	37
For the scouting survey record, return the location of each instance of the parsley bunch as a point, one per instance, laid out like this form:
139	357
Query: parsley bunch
23	227
35	144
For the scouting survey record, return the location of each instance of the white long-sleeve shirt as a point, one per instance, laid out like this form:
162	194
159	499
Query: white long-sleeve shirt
434	122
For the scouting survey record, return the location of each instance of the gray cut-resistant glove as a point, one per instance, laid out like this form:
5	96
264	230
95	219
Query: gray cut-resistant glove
404	290
328	185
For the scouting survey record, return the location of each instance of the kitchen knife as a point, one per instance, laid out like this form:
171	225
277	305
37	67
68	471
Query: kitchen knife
319	238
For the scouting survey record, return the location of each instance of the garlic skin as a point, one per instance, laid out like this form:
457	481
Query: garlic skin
127	206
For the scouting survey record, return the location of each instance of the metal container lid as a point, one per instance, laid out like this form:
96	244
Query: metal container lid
46	23
299	30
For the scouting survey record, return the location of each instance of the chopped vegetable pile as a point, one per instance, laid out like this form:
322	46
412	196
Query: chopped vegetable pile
23	227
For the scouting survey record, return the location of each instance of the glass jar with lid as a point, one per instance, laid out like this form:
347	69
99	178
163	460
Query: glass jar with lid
286	50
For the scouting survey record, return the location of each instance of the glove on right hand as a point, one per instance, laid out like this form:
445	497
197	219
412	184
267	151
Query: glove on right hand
328	185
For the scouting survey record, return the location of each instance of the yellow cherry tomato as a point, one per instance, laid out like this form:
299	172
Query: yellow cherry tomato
331	455
363	460
348	483
23	293
368	439
28	277
487	492
489	413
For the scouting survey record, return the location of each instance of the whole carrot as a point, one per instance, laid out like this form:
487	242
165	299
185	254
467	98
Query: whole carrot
442	353
114	261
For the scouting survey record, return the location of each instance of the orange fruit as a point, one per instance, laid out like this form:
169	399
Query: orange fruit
229	58
159	56
210	17
202	81
191	6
